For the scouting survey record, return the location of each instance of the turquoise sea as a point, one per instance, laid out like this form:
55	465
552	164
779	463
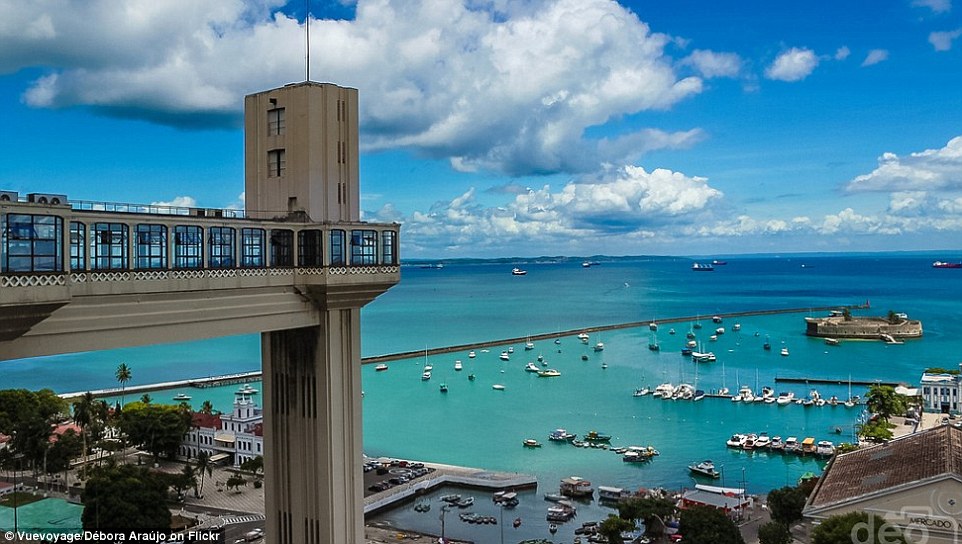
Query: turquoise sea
474	425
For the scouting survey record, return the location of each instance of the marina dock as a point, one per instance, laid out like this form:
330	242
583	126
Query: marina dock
832	381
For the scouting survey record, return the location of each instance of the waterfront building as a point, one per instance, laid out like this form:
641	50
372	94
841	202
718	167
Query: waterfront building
941	392
296	266
914	482
228	439
879	328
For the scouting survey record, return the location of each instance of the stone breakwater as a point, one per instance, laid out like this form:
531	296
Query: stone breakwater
872	328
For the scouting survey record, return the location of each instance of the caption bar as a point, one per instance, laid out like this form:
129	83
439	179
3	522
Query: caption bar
112	537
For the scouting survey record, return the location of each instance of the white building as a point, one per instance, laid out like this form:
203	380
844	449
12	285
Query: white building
228	438
942	392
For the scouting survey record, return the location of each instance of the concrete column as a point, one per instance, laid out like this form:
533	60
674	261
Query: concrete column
312	432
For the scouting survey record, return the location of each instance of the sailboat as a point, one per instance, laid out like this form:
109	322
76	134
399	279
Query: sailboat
724	389
850	402
653	342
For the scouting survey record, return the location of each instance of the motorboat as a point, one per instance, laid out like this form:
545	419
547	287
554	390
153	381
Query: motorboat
736	441
703	357
554	497
698	395
458	366
653	346
574	486
749	443
671	331
785	398
776	444
583	337
663	390
531	367
702	267
381	367
471	376
472	354
713	338
641	392
686	352
692	344
653	326
426	375
531	443
595	436
549	373
505	356
763	441
518	272
450	499
705	468
746	394
638	454
428	368
791	445
723	392
943	264
600	346
182	397
784	352
716	319
767	392
443	388
529	345
510	349
720	331
497	387
465	502
561	435
824	448
736	327
832	341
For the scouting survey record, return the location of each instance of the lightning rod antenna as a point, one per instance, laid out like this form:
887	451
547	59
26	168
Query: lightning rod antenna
307	28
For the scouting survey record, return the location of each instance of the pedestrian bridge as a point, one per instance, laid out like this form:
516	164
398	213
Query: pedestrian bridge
84	276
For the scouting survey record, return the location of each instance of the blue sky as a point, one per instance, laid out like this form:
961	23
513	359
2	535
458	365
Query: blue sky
521	128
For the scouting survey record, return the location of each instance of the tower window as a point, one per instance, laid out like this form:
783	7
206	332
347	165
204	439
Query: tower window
275	121
276	163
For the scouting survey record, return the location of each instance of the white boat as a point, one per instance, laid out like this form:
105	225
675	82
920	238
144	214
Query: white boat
785	398
664	389
653	326
763	441
824	448
426	375
458	366
583	337
531	367
736	441
705	468
784	352
518	272
505	356
182	397
549	373
561	435
723	392
720	331
737	327
641	392
510	349
472	354
791	445
600	346
702	357
832	341
428	368
531	443
498	387
529	345
381	367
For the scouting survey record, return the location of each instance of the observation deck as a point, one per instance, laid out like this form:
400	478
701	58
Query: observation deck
77	275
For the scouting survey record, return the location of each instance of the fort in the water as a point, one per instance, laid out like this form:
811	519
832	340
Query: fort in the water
838	325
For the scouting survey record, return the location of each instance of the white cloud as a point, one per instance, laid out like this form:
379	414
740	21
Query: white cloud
875	56
792	65
711	64
937	6
507	86
842	53
627	201
929	170
178	202
942	41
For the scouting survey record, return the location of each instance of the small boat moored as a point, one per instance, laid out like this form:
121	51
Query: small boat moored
705	468
531	443
518	272
381	367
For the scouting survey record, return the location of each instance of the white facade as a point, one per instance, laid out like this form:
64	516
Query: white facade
229	438
941	392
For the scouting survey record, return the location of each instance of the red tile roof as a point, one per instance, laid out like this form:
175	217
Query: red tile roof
205	421
920	456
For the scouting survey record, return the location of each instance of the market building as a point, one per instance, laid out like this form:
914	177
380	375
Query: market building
914	483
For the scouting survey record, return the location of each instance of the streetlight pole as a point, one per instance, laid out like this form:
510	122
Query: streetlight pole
16	498
501	505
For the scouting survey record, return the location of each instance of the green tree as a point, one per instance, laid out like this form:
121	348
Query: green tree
703	525
204	466
158	428
856	527
612	527
207	408
774	532
651	511
190	478
876	430
123	376
145	398
27	416
236	481
254	465
883	401
123	498
785	505
83	416
65	448
845	447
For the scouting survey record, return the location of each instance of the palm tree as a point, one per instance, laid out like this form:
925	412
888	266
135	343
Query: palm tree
207	408
203	466
123	375
83	415
145	398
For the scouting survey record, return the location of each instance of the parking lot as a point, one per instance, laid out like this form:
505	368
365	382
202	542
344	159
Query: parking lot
383	474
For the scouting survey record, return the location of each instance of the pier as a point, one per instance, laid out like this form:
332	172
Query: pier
832	381
600	328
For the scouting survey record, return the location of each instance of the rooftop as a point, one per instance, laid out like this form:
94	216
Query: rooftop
913	458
